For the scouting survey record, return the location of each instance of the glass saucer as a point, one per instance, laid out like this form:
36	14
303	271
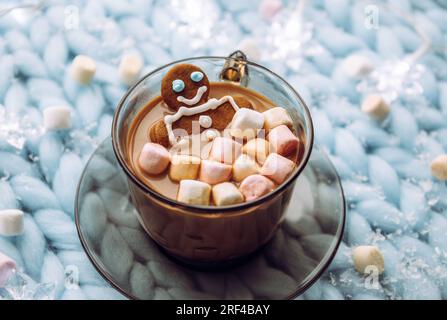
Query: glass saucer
130	261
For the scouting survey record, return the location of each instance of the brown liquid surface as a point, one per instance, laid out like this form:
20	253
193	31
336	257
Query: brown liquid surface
156	109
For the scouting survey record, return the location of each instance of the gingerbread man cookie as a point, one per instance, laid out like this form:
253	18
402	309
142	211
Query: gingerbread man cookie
185	90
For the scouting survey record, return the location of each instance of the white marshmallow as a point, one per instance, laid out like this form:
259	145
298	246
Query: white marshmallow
203	150
268	9
226	193
130	68
184	167
57	117
182	146
11	222
277	167
275	117
210	134
376	107
357	65
7	266
258	149
283	141
83	69
214	172
256	186
194	192
438	167
154	158
225	150
366	257
246	123
243	167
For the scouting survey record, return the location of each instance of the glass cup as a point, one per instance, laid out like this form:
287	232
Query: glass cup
207	235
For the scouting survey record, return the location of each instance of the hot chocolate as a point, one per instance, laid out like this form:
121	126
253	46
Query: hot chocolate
212	143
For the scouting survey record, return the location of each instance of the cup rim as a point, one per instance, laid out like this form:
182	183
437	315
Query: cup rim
203	210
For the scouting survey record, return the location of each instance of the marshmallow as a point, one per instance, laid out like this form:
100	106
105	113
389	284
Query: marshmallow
184	167
225	150
210	134
7	266
184	143
154	158
226	193
268	9
283	141
83	69
366	256
57	117
130	68
243	167
11	222
275	117
255	186
184	146
246	123
376	107
194	192
277	167
214	172
357	65
438	167
203	150
258	149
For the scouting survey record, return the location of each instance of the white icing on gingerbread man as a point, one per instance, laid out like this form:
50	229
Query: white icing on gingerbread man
184	111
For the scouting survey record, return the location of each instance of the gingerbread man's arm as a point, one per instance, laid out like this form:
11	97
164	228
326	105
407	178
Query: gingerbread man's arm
159	134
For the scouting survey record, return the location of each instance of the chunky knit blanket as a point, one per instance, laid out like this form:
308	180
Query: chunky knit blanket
393	200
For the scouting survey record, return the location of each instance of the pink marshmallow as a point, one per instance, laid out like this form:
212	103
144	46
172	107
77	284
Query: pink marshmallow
270	8
154	158
277	167
7	265
283	141
213	172
255	186
225	150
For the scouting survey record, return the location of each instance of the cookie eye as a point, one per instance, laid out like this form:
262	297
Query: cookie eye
196	76
178	85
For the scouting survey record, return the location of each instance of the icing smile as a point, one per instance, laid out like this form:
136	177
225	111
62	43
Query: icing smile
195	99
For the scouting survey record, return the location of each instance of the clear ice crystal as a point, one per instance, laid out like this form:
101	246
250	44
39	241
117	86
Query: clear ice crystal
393	78
188	15
15	129
21	287
43	291
332	279
289	39
378	236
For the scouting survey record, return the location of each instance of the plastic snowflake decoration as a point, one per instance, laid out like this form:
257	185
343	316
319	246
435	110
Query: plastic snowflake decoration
289	38
197	23
392	79
21	287
399	77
